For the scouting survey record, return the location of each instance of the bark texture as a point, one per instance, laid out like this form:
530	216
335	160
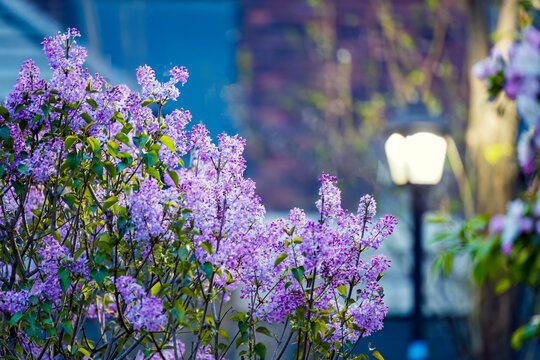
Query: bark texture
490	137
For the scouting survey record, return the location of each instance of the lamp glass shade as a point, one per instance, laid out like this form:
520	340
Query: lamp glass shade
425	157
417	158
396	154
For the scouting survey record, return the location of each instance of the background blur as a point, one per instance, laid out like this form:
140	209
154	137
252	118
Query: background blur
313	85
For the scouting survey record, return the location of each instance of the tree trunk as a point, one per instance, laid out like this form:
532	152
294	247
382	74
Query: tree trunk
490	138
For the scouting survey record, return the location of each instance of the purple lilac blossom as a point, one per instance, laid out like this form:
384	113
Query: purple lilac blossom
158	91
13	302
147	211
144	312
329	204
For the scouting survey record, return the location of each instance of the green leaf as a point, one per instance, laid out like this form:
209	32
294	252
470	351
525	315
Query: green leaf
156	289
125	155
22	169
69	199
84	352
94	144
70	140
223	334
208	269
518	337
377	355
79	252
65	280
206	246
140	140
242	326
146	103
263	330
167	141
110	202
18	108
502	285
86	118
73	160
19	188
179	315
127	129
118	116
45	110
154	172
479	271
298	273
150	159
260	350
4	112
342	289
92	103
5	133
174	177
122	138
186	290
279	259
98	169
111	169
68	328
46	306
98	275
16	317
113	148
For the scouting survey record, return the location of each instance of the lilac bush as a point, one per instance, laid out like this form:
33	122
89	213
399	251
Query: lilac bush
102	225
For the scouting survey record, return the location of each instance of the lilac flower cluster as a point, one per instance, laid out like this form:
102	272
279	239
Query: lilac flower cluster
63	52
176	123
223	203
144	312
42	163
331	254
13	302
147	211
519	77
155	90
231	220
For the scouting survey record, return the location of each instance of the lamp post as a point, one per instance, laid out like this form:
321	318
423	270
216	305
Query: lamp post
416	151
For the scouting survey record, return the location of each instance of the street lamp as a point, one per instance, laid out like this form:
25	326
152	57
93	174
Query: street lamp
416	151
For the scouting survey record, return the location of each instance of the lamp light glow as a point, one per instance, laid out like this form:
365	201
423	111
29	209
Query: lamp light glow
417	158
396	153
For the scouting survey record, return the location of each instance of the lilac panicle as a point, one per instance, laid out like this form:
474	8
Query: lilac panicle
144	312
62	50
155	90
